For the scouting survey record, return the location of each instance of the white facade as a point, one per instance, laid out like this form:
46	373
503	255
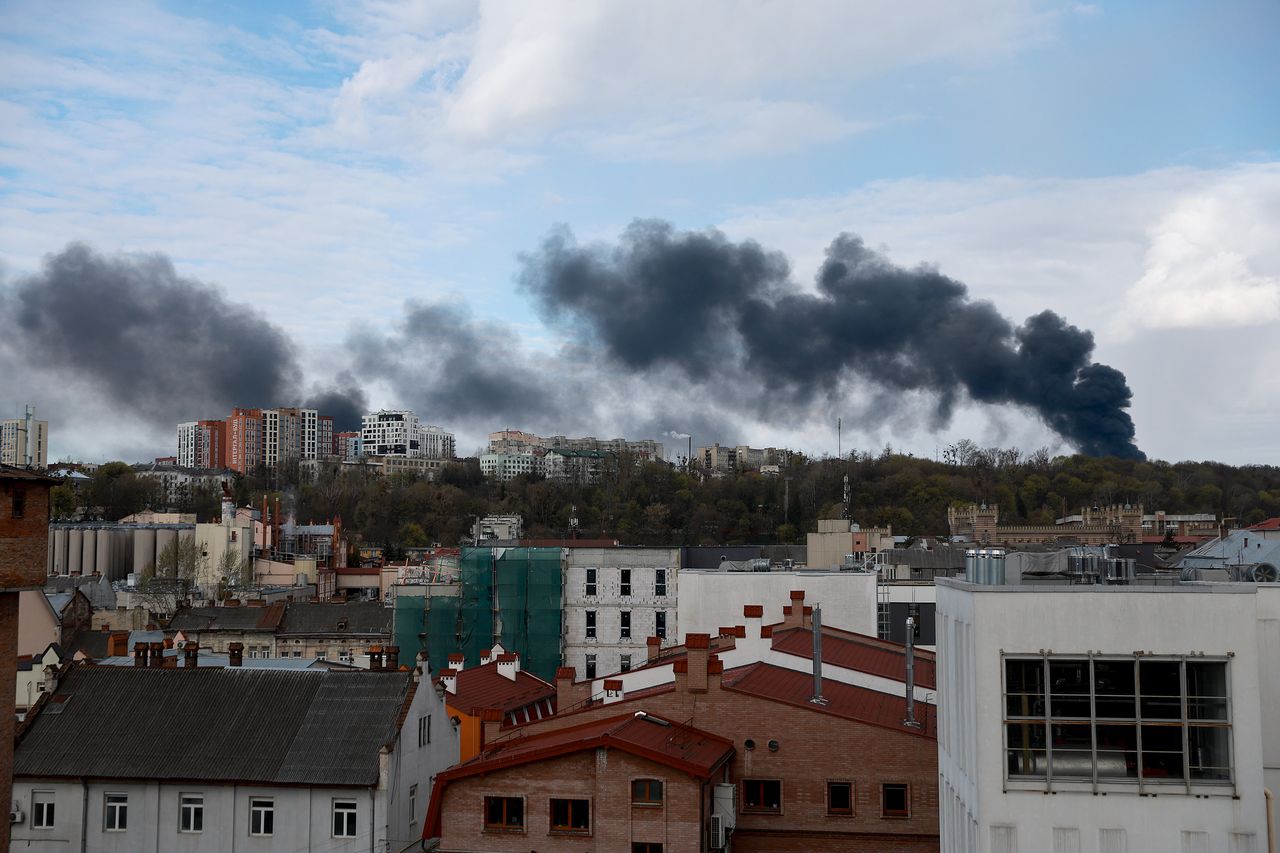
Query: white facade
1088	768
402	434
187	444
712	599
614	600
388	817
16	446
508	466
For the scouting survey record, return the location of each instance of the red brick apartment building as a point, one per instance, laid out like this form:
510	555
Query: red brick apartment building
24	544
244	440
843	774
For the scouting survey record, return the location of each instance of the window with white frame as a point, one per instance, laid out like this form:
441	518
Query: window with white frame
116	812
191	812
1140	719
262	816
424	730
344	818
42	809
660	582
413	804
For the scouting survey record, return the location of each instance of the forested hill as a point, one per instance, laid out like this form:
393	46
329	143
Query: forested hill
656	504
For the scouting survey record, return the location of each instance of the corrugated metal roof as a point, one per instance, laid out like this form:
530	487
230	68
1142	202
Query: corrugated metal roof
843	700
862	653
359	617
267	726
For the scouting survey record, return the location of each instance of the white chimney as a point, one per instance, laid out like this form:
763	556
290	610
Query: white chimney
508	666
449	678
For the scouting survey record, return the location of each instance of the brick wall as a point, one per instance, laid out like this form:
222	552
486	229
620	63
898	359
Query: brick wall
604	777
24	538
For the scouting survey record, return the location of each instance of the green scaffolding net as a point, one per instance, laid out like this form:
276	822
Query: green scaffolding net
514	594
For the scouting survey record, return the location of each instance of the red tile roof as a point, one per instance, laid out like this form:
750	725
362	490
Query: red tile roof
685	748
484	687
843	700
1269	524
858	652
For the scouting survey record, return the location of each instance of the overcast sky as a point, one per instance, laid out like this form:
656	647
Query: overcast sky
328	164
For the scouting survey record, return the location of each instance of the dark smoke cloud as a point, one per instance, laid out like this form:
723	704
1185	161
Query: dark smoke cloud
707	307
345	401
145	338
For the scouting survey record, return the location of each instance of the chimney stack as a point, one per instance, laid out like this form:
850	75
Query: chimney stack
508	666
375	658
449	679
118	644
139	654
235	651
156	658
698	649
653	647
190	654
393	658
567	695
794	615
491	720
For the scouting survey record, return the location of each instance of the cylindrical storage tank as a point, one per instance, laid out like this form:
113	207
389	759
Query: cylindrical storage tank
102	556
75	544
88	551
997	568
144	549
166	537
59	550
984	566
971	565
124	553
48	553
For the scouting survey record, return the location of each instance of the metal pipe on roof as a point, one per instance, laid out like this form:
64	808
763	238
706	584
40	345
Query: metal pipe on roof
817	697
911	675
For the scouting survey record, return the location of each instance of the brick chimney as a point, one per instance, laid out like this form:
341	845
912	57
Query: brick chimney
156	652
118	644
569	694
698	649
449	678
491	720
139	654
235	651
796	615
653	647
715	669
393	658
614	691
190	654
375	658
231	602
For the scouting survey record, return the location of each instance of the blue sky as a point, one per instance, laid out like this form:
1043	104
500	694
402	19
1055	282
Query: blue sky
1114	162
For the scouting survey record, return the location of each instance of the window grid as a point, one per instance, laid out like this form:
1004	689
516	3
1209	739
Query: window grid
646	792
570	815
116	812
344	818
591	624
262	816
660	582
1174	727
762	795
625	583
589	588
42	809
191	813
504	813
624	631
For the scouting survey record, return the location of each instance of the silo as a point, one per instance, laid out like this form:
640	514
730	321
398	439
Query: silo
48	552
88	550
996	575
144	549
74	546
165	538
971	566
103	555
59	550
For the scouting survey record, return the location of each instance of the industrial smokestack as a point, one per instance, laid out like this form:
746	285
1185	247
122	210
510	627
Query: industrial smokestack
817	698
911	721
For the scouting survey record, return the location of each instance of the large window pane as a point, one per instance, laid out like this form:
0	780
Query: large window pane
1161	690
1117	751
1024	688
1026	749
1162	752
1113	689
1206	690
1069	688
1072	750
1210	753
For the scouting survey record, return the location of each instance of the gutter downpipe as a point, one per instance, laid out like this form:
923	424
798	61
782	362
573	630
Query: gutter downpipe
1271	820
84	814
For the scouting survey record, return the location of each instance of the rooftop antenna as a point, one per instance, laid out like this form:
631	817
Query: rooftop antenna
839	439
845	512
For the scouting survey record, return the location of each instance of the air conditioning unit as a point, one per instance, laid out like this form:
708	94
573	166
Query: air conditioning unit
717	832
17	816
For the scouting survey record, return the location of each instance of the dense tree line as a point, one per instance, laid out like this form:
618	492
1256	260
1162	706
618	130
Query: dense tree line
655	503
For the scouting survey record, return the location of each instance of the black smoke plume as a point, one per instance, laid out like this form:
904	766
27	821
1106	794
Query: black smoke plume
706	307
143	337
345	402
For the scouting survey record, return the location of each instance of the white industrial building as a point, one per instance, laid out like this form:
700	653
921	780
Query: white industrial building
711	599
24	442
508	466
614	600
1095	718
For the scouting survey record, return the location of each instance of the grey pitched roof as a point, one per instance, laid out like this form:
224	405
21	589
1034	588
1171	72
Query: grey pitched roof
229	725
361	617
226	619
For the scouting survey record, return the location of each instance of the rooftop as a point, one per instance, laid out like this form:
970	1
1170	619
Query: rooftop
357	617
484	687
197	619
858	652
223	725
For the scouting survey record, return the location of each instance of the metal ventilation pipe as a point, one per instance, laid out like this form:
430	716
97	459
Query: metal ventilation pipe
817	698
911	675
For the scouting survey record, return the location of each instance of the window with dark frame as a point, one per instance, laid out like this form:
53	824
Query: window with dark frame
660	582
504	813
895	800
624	663
19	501
116	812
646	847
625	585
570	815
840	798
646	792
660	624
191	812
624	630
1117	719
591	666
591	624
762	795
589	588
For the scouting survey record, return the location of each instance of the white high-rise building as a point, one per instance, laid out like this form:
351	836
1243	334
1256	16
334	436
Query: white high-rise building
23	441
402	433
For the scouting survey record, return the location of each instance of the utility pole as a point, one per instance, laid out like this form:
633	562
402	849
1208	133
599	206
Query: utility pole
839	439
